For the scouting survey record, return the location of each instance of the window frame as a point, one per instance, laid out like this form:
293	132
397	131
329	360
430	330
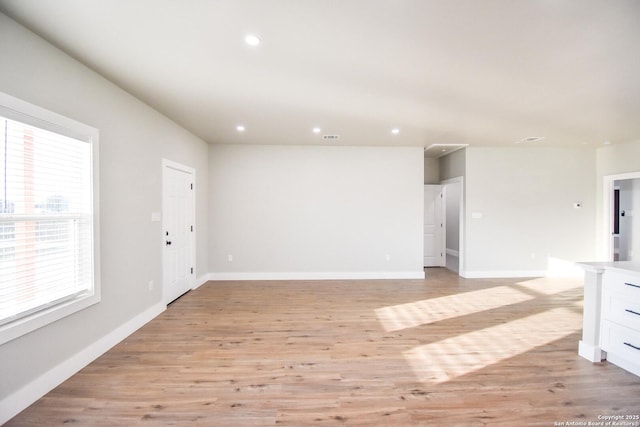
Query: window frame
25	112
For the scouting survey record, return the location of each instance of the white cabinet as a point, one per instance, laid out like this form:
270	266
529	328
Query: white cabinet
620	332
611	325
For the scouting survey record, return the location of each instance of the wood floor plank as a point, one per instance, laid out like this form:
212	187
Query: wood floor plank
440	351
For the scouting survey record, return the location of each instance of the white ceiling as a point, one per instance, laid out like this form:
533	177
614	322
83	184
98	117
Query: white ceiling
478	72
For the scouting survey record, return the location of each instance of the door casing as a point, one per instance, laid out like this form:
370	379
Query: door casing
434	243
607	253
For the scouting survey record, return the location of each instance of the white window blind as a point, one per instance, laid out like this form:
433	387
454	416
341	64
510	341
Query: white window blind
46	219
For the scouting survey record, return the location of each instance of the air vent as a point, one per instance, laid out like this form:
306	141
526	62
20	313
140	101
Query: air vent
530	139
331	137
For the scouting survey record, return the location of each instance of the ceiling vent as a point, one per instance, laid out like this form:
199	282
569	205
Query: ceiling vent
331	137
530	139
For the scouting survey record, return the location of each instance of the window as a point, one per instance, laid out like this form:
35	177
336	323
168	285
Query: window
48	217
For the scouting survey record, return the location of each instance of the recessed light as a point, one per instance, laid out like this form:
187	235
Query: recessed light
252	40
395	131
316	130
607	143
240	128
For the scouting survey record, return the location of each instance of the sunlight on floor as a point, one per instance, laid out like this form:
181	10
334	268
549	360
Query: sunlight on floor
450	358
461	354
423	312
410	315
551	285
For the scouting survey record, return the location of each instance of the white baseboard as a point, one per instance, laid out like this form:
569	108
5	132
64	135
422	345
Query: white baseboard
201	281
21	399
318	276
625	364
500	274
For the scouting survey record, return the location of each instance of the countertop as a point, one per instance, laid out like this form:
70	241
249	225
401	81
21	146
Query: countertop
624	266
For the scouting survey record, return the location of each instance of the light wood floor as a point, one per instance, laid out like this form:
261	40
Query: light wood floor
442	351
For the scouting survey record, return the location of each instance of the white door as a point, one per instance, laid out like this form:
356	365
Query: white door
433	226
178	203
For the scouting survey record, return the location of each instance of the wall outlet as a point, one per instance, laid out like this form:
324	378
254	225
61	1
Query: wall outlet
150	285
230	258
387	257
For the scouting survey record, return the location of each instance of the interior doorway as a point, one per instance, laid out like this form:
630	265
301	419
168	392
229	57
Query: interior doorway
626	225
621	217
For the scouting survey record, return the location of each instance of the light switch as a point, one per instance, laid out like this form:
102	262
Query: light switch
476	215
155	216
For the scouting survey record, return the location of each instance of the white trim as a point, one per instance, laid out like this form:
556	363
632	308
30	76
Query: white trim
28	394
317	276
25	112
502	274
591	353
607	220
461	222
625	364
441	231
201	280
453	252
178	166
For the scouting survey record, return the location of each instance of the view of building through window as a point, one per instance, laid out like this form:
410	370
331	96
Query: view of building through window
46	219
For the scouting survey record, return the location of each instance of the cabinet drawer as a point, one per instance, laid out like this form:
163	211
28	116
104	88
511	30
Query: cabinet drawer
619	308
621	341
623	284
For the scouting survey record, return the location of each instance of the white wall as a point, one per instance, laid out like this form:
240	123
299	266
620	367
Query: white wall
453	165
431	171
306	212
525	197
133	140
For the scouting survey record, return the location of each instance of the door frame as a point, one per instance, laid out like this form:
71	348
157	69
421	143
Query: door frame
607	212
442	243
461	221
166	165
